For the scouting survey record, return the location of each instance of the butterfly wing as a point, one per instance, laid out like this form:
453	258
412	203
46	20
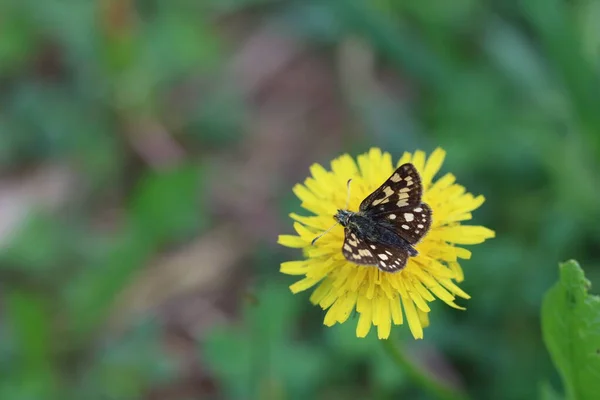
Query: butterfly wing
391	259
357	250
395	206
411	224
403	189
364	252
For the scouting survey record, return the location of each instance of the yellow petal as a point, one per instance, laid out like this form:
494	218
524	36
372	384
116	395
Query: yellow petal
294	267
347	306
436	289
329	299
440	185
433	165
321	176
304	194
342	275
358	279
384	324
304	284
448	284
414	323
422	290
462	253
406	158
437	269
307	234
458	272
344	167
331	315
319	223
469	203
396	310
291	241
364	322
418	300
362	303
424	318
365	168
320	292
419	160
466	234
372	281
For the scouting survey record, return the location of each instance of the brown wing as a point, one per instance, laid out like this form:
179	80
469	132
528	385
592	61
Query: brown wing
411	224
403	189
363	252
357	250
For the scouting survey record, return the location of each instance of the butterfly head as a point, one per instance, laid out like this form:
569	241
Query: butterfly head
343	217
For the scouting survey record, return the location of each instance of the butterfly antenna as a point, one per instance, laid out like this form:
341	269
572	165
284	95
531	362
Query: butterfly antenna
318	237
333	226
348	194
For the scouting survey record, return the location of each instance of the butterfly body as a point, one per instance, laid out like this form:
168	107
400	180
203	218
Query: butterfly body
368	229
388	224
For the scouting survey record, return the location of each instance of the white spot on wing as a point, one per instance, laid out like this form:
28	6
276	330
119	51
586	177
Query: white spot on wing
382	256
365	252
409	217
405	226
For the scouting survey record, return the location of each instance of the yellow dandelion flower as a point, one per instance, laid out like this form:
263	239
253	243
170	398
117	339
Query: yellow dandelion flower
380	297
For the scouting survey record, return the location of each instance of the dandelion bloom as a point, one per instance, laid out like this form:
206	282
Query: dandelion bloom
379	297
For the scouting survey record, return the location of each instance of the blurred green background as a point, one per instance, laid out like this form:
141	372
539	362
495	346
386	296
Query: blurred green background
147	154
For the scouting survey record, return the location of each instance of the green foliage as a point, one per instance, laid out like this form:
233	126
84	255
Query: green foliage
548	393
32	375
261	359
180	188
570	320
262	356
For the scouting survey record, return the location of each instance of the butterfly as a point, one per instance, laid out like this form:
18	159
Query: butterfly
388	224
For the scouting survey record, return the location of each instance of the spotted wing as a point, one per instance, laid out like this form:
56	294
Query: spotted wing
357	250
364	252
411	224
403	189
391	259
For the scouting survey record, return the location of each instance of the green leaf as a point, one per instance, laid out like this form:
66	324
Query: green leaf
34	374
261	359
570	327
167	203
49	237
547	392
127	367
91	294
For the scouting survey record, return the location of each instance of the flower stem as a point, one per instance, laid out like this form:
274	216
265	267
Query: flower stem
420	377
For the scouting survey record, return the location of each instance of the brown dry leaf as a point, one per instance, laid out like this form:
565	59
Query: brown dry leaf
47	188
201	266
